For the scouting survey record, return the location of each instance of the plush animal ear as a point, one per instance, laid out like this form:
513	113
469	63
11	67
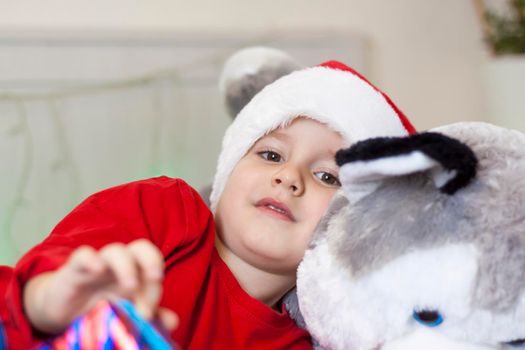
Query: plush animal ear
248	71
450	163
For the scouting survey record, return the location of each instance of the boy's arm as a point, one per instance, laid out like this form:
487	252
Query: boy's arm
163	211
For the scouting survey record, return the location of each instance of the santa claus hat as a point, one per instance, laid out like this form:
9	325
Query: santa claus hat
331	93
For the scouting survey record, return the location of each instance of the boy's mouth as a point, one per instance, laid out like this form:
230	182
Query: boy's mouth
275	208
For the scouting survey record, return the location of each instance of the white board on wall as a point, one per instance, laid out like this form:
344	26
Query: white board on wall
80	112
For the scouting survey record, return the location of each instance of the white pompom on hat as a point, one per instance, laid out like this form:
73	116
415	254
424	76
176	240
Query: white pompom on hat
331	93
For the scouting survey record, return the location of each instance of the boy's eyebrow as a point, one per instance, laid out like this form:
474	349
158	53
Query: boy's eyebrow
278	134
330	154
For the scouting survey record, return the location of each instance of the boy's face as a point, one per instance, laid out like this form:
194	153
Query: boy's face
277	193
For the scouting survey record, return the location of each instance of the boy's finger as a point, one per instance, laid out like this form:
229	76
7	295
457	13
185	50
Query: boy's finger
123	266
84	263
151	265
168	319
147	299
149	259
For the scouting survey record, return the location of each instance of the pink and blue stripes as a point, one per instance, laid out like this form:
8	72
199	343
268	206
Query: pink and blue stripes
109	326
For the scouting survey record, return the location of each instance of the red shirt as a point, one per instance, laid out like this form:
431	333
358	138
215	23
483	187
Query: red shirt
214	311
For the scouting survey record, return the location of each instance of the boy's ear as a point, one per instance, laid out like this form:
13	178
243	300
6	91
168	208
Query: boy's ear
364	166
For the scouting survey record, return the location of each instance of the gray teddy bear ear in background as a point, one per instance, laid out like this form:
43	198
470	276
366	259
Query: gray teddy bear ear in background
450	163
248	71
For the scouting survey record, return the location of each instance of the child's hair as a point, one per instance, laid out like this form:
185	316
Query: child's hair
331	93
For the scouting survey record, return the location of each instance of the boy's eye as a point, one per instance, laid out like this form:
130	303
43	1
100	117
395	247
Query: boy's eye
270	156
328	178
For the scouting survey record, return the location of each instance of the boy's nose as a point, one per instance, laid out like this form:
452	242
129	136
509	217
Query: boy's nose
290	179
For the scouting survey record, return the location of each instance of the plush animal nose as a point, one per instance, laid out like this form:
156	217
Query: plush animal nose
290	178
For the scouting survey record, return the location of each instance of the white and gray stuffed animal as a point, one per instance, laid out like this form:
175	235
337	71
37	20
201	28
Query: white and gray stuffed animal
425	246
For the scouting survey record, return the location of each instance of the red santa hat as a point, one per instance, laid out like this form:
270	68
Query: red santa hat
331	93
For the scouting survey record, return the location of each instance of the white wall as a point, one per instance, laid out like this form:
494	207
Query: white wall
425	54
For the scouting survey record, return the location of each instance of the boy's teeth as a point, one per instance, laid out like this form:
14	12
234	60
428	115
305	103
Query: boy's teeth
276	209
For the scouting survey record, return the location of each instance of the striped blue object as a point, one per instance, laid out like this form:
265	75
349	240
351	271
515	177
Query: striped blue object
96	328
147	334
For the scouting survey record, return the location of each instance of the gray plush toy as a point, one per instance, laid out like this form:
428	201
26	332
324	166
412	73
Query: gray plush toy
425	246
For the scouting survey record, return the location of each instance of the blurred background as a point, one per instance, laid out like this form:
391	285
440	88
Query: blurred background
97	93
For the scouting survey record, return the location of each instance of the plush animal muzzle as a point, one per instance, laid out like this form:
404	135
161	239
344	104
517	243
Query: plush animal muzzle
429	340
425	246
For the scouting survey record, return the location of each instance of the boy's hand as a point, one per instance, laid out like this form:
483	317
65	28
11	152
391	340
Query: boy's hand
133	271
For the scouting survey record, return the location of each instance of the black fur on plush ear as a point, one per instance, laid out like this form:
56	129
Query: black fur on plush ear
453	155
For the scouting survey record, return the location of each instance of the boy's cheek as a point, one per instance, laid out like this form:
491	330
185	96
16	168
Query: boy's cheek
317	204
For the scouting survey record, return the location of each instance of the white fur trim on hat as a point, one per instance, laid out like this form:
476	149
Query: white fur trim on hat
341	99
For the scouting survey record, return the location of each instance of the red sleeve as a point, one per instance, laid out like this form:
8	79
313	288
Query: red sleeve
166	211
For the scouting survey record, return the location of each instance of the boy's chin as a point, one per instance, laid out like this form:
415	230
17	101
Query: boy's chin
279	264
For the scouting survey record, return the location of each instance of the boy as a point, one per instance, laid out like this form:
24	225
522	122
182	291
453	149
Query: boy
274	179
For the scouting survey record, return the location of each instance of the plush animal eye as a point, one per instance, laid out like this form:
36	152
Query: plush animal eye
429	318
516	343
270	156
